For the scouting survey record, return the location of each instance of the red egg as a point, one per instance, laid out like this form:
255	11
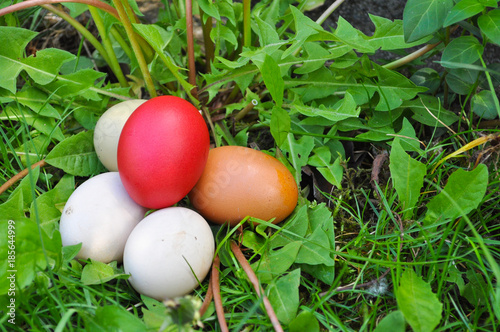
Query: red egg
162	151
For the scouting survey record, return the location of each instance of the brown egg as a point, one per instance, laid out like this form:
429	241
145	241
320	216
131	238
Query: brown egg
239	182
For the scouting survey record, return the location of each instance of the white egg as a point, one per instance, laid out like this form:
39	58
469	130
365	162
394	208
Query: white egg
165	249
107	131
100	214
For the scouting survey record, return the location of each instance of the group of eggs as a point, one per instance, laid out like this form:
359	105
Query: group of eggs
158	152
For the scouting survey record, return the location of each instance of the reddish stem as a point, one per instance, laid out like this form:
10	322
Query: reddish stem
20	175
190	47
217	298
33	3
256	285
208	299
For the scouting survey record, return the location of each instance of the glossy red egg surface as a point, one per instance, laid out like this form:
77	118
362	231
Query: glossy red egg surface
162	151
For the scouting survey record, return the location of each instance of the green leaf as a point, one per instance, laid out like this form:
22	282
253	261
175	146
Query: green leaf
42	68
316	58
321	159
304	28
389	35
25	187
429	111
114	318
97	272
271	74
284	296
298	152
37	101
157	37
408	137
428	78
76	155
30	256
483	105
489	24
305	321
293	230
222	32
13	208
268	36
353	37
462	11
81	83
343	109
394	322
461	81
209	8
45	125
464	49
51	203
315	249
274	263
419	305
280	125
394	88
407	175
463	193
424	17
476	290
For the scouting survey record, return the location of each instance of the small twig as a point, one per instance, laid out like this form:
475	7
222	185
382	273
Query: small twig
241	114
190	47
20	175
208	299
377	166
214	280
256	285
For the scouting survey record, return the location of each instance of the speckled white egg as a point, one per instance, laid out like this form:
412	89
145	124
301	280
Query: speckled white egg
108	129
165	249
100	214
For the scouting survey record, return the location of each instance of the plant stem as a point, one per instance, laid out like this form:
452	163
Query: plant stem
247	28
256	285
123	44
329	11
209	45
31	3
106	42
135	46
20	175
410	57
217	298
208	299
190	47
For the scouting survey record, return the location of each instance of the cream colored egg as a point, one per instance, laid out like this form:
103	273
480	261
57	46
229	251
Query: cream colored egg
168	252
107	131
100	215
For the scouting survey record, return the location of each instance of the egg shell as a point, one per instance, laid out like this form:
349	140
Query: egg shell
100	215
162	151
164	250
239	182
108	129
